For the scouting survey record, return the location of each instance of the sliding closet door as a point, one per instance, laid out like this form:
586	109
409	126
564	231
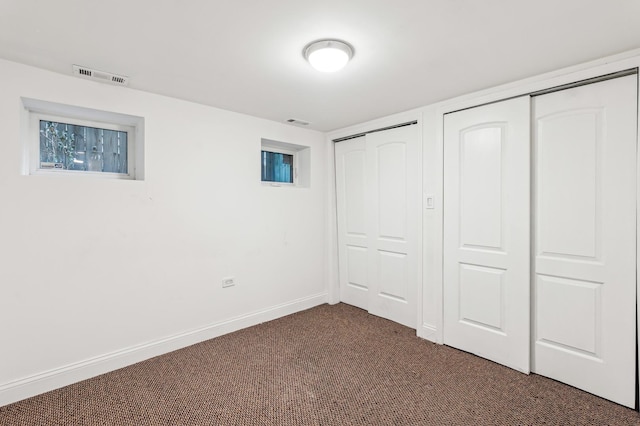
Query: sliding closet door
351	184
585	237
394	223
486	232
379	222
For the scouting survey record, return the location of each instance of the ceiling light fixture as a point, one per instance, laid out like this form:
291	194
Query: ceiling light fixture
328	55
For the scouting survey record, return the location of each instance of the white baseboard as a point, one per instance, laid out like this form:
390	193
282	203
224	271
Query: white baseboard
72	373
428	332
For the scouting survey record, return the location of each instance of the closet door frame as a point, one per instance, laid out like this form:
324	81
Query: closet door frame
333	270
430	119
588	71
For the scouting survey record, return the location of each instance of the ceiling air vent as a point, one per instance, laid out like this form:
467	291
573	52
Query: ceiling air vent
298	122
105	77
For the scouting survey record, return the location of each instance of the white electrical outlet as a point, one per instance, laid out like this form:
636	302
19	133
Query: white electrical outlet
228	282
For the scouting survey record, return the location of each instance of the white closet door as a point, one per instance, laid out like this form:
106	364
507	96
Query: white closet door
394	223
585	237
351	184
378	186
487	231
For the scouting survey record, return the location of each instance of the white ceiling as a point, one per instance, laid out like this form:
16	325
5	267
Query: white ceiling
246	55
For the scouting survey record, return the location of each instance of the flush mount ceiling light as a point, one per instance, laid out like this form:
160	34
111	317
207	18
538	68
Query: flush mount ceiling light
328	55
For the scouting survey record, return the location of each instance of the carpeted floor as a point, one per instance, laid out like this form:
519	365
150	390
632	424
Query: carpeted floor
330	365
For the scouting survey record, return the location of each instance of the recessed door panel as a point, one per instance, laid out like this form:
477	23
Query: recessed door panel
578	332
569	183
393	275
392	186
354	163
482	297
585	263
486	231
357	267
481	187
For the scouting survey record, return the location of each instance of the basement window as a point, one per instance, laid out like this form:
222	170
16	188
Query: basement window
278	167
284	164
67	140
78	146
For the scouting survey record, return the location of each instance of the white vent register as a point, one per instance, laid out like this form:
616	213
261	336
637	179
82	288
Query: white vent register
102	76
297	121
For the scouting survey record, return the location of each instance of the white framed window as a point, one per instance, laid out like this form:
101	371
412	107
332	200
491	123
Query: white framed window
66	140
72	145
285	164
279	166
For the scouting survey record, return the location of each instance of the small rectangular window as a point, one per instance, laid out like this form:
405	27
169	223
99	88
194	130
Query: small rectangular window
284	164
67	146
277	167
62	139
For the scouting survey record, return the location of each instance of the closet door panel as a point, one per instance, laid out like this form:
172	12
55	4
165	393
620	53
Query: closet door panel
585	245
394	225
486	232
351	180
378	188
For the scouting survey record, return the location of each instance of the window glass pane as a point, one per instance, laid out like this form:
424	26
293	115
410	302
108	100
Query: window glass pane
277	167
66	146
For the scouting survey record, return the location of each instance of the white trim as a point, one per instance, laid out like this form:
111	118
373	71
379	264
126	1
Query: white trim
392	120
638	229
420	238
427	332
438	237
82	370
333	273
278	150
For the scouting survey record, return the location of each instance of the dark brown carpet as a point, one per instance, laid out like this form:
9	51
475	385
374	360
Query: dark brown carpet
330	365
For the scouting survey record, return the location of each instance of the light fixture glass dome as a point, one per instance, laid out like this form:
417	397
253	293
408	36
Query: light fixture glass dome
328	55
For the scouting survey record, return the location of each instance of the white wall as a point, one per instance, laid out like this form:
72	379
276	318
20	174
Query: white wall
97	273
137	270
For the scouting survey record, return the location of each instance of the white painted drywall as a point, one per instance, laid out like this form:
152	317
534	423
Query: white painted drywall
91	267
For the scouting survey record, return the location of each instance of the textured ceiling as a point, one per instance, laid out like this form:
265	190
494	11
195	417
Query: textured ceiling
246	55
